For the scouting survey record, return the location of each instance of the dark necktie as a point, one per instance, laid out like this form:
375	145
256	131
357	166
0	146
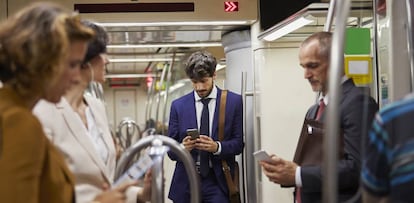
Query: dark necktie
321	108
204	130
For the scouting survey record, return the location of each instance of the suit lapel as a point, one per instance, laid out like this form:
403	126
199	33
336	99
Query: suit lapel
346	87
312	112
78	132
99	122
109	142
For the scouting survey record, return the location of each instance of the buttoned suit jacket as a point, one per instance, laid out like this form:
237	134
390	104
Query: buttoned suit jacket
354	104
183	117
66	130
32	170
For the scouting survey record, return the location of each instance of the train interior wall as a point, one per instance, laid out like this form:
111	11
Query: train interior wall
281	99
285	97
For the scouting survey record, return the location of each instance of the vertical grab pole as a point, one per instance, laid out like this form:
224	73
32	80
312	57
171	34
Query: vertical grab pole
329	18
162	81
375	51
244	157
330	180
248	149
167	87
157	172
410	42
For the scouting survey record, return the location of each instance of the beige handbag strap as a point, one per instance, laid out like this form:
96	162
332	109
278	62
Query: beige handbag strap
222	116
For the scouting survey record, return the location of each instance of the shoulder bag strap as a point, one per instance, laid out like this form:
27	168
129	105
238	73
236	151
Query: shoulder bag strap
1	138
226	168
222	114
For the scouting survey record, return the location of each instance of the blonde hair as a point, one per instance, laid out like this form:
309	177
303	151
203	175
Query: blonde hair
34	44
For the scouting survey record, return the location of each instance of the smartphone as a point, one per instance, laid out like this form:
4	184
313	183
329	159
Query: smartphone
261	155
193	133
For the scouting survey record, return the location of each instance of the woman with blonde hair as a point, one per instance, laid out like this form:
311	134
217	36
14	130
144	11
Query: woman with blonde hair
41	49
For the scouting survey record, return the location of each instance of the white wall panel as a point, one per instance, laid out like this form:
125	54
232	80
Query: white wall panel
285	97
125	102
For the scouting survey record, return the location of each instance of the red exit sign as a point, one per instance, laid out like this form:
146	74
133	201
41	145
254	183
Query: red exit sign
231	6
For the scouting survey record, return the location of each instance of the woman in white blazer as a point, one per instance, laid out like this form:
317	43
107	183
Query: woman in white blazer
78	126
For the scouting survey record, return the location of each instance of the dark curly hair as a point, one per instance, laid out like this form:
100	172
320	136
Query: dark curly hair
200	64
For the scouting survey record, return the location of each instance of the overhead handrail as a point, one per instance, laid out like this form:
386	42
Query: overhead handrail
330	180
157	194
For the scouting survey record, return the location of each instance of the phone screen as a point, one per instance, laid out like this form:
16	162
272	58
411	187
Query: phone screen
193	133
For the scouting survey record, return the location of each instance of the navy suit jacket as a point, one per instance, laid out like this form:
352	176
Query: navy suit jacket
356	113
183	117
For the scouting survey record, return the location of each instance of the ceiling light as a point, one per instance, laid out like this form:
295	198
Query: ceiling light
132	46
129	75
142	60
295	21
220	67
185	23
307	15
281	30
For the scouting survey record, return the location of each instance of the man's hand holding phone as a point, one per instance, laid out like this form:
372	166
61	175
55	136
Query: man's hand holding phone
190	140
193	133
262	155
278	170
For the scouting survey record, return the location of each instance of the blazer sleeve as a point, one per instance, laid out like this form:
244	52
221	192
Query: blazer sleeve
23	155
173	129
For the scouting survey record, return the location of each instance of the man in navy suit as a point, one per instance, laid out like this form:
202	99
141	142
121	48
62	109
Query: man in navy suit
356	113
186	113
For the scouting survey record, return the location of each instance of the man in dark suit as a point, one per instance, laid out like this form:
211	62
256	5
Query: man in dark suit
187	112
314	57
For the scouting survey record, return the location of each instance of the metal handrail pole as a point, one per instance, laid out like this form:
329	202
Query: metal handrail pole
330	16
375	50
128	136
244	155
173	145
410	42
158	100
157	171
167	87
330	180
